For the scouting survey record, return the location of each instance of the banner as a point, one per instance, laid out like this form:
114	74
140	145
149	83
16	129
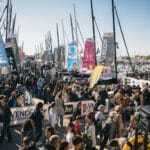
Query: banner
72	61
95	76
3	57
87	107
137	82
89	56
108	57
20	114
61	56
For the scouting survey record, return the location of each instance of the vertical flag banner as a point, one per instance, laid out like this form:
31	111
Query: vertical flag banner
108	57
95	75
89	56
61	56
3	57
72	61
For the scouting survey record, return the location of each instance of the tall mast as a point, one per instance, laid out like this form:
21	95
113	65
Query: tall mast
63	30
10	16
114	36
75	20
57	35
50	38
71	28
7	20
76	33
13	26
93	26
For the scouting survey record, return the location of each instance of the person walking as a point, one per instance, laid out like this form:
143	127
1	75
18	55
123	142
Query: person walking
53	116
38	118
60	107
90	130
6	118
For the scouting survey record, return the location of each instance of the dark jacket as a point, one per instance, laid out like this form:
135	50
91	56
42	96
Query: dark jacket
30	133
6	116
49	147
32	147
38	117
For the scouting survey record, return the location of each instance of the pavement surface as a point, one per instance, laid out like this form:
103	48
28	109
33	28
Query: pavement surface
16	137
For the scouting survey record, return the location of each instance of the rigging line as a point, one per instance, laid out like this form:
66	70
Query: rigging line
80	45
3	13
80	35
124	39
3	25
98	31
80	32
66	36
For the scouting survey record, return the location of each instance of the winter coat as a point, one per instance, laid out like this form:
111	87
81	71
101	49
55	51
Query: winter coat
91	134
53	117
38	117
6	116
60	106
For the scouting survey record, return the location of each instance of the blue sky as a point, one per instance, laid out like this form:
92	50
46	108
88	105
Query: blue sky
36	17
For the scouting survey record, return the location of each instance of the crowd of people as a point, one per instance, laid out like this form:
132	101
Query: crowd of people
111	123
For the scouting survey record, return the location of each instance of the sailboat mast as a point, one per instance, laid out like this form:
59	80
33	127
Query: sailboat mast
14	23
93	26
64	41
71	28
75	20
57	35
10	17
7	20
114	36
